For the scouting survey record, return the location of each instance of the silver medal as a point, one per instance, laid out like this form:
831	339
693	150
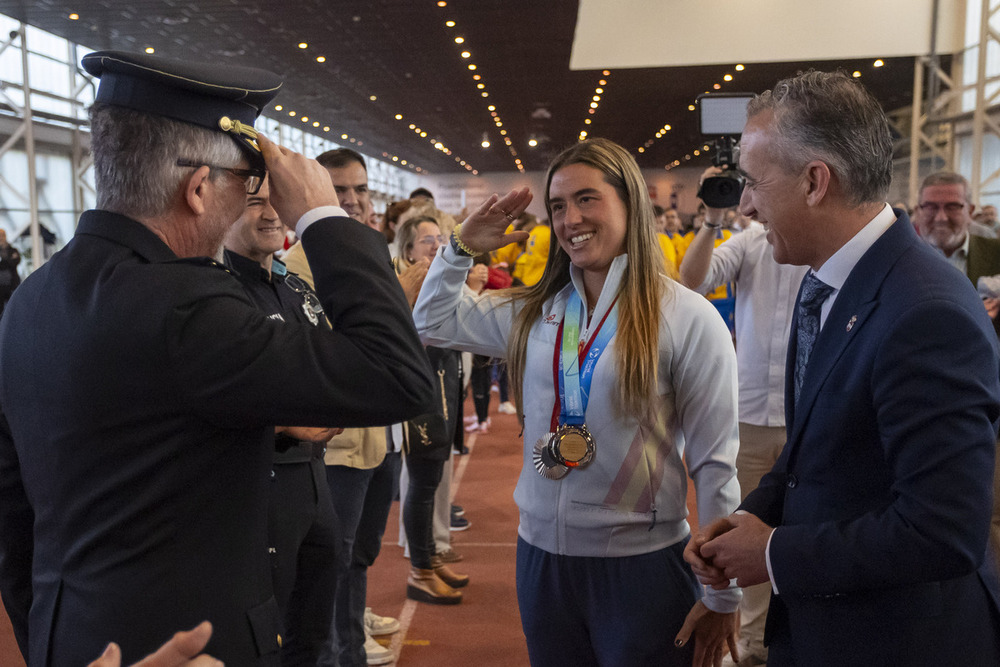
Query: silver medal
543	461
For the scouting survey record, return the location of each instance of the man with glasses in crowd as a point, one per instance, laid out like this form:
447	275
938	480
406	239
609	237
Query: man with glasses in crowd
140	385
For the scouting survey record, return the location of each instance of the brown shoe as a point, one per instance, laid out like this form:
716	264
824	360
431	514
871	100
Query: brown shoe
426	586
447	575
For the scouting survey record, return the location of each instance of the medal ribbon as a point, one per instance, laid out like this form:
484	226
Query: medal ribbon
572	367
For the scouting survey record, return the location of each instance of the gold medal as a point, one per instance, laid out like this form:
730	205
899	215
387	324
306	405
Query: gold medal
572	446
543	462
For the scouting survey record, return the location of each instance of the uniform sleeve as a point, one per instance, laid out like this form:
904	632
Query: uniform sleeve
239	368
446	318
703	368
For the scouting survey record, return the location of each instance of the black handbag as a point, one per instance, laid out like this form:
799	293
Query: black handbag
431	435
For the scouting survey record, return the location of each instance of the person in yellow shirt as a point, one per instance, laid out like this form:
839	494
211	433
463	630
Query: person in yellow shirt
531	264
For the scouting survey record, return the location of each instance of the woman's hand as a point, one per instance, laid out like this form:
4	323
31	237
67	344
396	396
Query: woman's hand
484	230
478	275
412	279
712	633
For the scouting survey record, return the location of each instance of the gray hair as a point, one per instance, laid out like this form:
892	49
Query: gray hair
831	117
135	158
946	178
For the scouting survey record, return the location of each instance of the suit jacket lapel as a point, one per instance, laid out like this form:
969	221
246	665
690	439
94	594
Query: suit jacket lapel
856	301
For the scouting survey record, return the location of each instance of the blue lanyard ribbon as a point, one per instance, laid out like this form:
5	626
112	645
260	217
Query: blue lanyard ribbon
574	378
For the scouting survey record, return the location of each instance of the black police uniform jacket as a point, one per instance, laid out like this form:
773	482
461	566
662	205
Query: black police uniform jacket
138	394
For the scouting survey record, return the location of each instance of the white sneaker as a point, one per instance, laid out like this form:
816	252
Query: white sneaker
379	625
507	408
375	653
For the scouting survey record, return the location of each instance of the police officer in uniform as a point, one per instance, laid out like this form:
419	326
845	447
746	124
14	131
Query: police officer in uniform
301	520
140	385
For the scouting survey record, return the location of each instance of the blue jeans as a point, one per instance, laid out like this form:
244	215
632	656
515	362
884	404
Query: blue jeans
612	612
362	499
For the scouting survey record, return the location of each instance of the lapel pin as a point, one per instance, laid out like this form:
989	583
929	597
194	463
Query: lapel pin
850	325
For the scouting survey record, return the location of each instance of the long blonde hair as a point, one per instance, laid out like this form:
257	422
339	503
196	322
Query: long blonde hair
639	294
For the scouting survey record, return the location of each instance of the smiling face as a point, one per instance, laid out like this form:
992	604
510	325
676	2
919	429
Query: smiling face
351	184
258	233
775	196
589	217
426	242
943	216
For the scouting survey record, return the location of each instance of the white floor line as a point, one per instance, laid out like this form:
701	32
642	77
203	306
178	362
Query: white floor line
410	606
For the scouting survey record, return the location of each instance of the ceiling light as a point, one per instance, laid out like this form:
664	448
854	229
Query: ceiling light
472	66
587	121
598	90
602	82
399	116
459	40
491	108
667	128
402	162
303	45
593	105
503	132
150	49
717	86
597	98
395	158
466	54
305	119
74	17
728	77
442	3
739	68
690	107
423	134
641	149
484	94
412	126
857	74
659	134
372	98
878	63
326	128
606	73
476	77
343	136
697	152
321	59
291	113
278	107
450	24
480	85
315	123
485	143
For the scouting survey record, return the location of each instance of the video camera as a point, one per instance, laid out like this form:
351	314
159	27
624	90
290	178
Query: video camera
723	115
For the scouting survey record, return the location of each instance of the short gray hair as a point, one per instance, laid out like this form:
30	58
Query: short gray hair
135	158
831	117
946	178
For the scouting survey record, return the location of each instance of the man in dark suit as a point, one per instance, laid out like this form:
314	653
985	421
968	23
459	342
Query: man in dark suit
140	385
872	526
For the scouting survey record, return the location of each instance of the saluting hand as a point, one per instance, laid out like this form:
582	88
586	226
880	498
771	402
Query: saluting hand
298	184
485	229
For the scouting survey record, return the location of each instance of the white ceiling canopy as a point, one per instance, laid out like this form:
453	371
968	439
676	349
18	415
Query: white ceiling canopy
670	33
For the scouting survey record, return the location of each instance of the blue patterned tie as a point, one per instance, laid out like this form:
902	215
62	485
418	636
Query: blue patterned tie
814	293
